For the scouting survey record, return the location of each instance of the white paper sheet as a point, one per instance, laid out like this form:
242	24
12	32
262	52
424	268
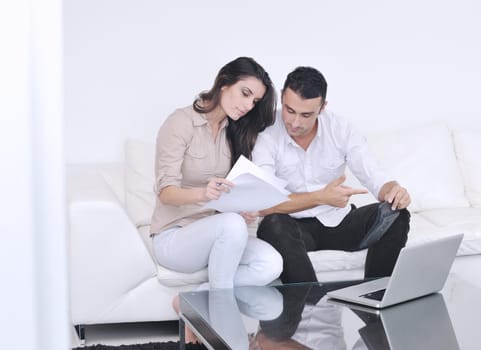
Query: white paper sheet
254	189
244	165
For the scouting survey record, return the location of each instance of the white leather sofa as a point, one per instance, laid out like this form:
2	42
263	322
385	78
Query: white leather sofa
114	279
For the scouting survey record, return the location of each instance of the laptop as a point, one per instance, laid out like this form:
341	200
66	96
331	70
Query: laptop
420	270
421	324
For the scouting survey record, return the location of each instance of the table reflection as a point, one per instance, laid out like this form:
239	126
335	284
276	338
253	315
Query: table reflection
419	324
302	317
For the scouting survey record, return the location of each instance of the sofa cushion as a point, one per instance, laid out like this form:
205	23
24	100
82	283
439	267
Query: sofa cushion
421	159
139	181
176	279
451	221
467	144
335	260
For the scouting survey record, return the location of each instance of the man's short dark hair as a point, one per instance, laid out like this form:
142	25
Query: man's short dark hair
307	82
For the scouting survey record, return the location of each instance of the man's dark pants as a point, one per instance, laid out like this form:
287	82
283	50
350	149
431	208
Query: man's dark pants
293	238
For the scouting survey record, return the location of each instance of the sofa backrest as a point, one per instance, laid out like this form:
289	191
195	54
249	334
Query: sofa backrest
139	181
468	148
423	159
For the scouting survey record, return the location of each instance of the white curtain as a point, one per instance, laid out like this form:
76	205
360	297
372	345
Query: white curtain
33	249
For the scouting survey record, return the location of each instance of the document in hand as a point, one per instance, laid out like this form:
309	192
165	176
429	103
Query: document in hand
254	189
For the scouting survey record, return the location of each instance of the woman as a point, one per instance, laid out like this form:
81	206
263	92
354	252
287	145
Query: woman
196	147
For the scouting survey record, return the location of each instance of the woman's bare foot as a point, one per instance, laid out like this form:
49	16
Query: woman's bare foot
190	337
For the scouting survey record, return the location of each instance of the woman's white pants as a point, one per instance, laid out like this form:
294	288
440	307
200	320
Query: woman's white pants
220	242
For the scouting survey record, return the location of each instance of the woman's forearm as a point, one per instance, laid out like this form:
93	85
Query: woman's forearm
174	195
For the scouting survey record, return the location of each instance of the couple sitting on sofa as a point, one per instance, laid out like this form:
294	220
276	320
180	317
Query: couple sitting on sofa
305	145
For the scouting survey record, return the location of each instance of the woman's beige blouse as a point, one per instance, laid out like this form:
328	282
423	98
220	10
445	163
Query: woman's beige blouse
187	156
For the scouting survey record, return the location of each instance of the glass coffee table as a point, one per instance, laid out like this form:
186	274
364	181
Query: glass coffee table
300	316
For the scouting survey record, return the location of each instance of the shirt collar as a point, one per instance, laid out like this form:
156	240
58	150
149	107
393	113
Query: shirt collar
291	141
200	119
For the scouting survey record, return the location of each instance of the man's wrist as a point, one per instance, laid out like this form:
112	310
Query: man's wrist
385	189
319	197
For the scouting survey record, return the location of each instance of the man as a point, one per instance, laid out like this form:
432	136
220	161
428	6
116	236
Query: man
310	148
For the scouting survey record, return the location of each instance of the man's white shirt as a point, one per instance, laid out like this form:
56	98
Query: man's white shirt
335	146
321	327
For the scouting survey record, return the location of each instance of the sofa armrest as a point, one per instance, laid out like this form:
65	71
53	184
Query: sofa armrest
107	255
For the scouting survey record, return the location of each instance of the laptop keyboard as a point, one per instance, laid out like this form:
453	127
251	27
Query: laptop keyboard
377	295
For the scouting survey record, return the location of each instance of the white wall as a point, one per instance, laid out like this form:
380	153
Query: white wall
129	63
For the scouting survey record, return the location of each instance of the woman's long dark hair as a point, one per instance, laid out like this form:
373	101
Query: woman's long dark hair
242	134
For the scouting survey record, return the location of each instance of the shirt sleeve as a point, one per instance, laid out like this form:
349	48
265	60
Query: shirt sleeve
264	153
362	162
173	138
